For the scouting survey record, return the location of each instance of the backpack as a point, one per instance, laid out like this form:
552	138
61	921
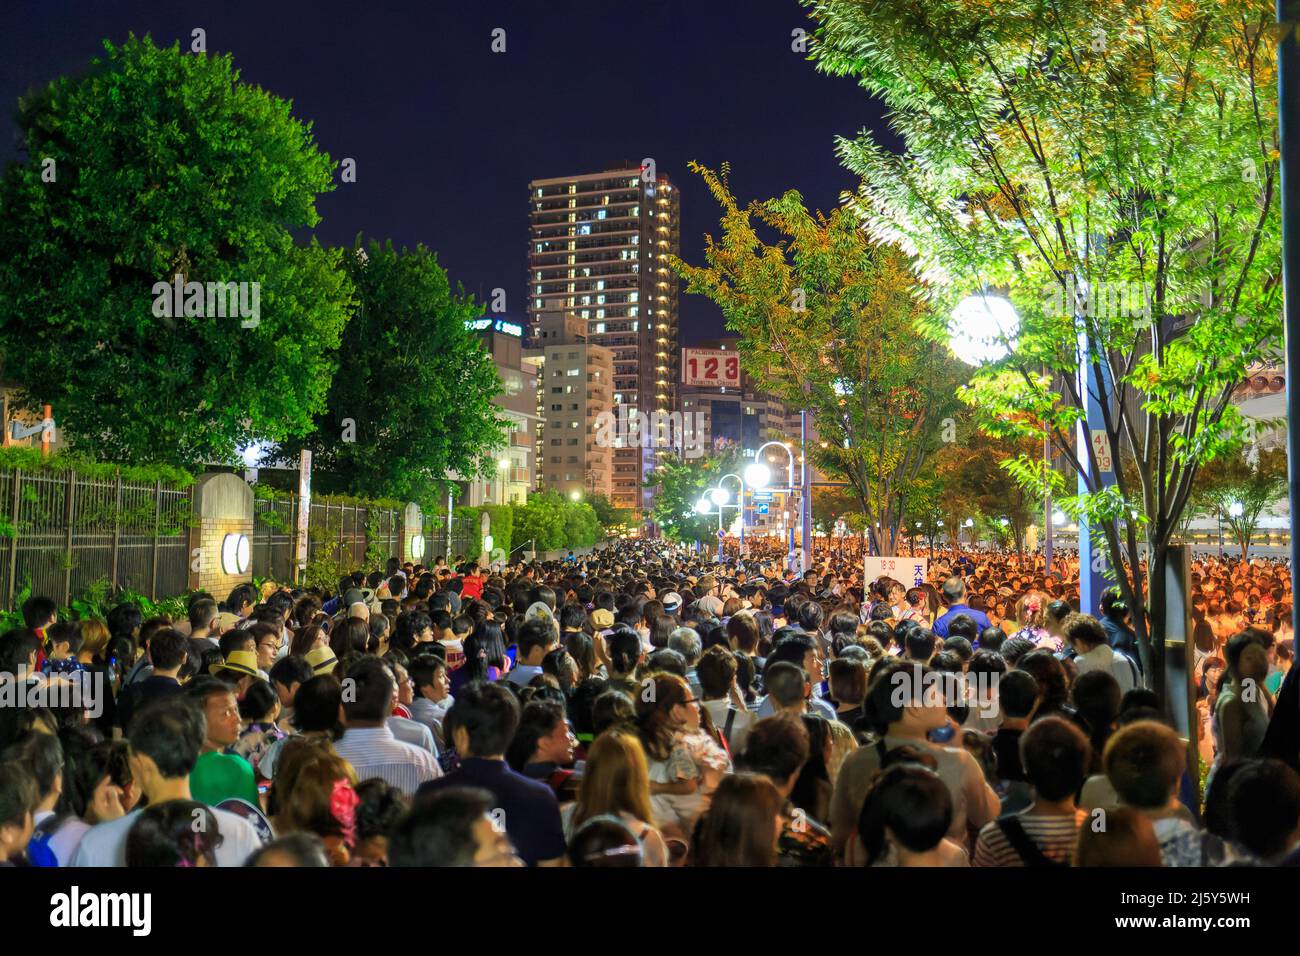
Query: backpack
1028	851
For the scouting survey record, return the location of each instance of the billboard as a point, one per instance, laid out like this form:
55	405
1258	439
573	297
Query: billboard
910	572
711	368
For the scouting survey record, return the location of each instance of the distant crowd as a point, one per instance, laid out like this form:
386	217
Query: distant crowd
642	706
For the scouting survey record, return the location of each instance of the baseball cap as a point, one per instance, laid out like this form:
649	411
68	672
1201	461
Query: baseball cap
353	596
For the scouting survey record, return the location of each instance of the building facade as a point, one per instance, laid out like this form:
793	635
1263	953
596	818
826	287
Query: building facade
596	251
503	338
574	388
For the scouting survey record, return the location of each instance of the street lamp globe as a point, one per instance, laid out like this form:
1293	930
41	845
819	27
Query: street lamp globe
970	522
758	475
1236	509
704	506
720	496
939	523
575	495
1004	522
981	328
1058	518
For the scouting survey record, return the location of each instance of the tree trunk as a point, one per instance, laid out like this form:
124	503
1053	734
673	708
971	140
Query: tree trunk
1153	646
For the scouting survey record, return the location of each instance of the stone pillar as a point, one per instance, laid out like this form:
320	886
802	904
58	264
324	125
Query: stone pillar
223	511
413	529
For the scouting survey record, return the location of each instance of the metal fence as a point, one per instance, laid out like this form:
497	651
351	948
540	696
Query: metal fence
66	532
337	530
61	533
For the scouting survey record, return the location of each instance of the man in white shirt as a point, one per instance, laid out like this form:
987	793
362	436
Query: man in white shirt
1088	638
536	639
369	743
165	739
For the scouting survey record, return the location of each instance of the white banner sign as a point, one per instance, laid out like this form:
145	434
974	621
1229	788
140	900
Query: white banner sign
911	572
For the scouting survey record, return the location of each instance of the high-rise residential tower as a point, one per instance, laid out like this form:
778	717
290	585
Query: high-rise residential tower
597	243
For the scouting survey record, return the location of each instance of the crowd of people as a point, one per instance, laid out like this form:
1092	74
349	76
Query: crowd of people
643	706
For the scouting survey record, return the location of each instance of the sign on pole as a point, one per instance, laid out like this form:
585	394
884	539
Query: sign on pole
911	572
711	368
1101	448
304	510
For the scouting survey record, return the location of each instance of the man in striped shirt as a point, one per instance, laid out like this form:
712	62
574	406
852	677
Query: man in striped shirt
1055	756
368	744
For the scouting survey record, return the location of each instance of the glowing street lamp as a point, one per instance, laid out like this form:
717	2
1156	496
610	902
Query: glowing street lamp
982	328
1236	509
719	496
758	475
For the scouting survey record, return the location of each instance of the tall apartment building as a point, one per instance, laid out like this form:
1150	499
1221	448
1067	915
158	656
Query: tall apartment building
574	386
596	248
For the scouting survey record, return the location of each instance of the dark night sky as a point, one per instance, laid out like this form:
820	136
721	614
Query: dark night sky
447	134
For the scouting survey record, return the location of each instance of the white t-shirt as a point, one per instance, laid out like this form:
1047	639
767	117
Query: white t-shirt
105	844
64	841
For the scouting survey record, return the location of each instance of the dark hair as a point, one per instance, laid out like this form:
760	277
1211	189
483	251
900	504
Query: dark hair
16	649
424	668
168	649
37	611
1014	648
909	801
920	644
305	849
776	747
667	659
536	633
1047	670
484	648
170	732
439	830
603	841
963	625
538	719
87	761
739	828
489	713
380	809
716	671
624	646
42	754
610	708
372	691
201	613
1056	757
173	833
992	639
259	700
291	670
316	705
123	620
1017	693
1264	803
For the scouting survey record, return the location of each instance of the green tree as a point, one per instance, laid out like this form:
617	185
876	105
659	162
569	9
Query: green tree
680	484
412	399
541	521
1112	167
1238	491
827	322
613	520
150	164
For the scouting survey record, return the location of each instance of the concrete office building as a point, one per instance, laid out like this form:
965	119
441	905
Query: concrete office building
574	386
515	477
596	248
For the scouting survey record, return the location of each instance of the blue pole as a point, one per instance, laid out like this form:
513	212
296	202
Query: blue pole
1093	556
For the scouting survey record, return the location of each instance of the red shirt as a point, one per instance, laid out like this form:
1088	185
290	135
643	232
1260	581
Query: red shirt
471	586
